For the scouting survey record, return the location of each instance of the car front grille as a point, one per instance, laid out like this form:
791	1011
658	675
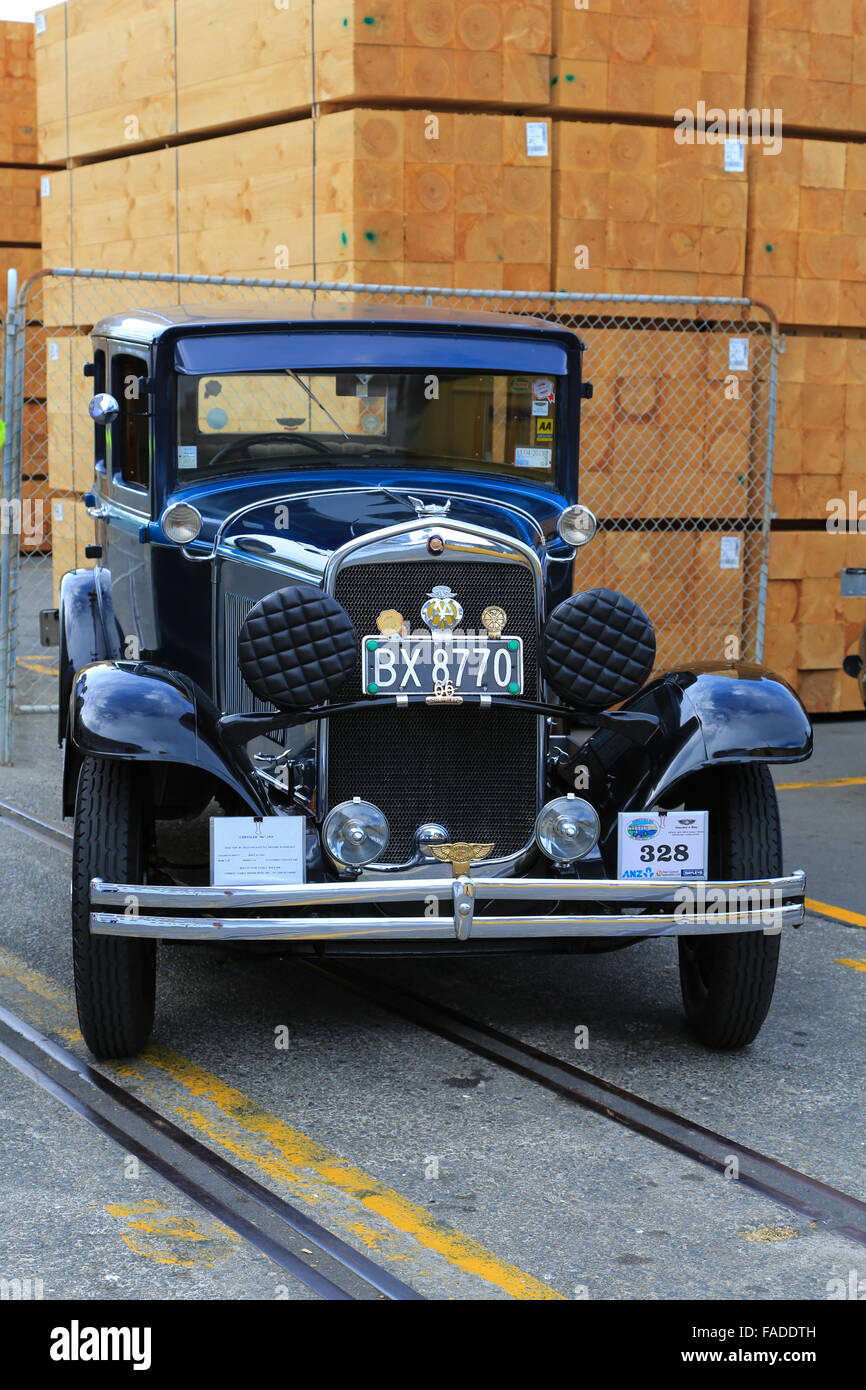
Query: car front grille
473	771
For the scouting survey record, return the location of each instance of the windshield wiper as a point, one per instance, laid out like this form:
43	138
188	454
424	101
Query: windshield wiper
315	400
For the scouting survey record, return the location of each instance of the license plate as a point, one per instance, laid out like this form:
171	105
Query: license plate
660	846
442	665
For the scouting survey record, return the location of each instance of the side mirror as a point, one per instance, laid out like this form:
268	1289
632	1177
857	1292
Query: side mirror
103	409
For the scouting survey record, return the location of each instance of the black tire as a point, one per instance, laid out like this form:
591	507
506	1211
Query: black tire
115	977
727	980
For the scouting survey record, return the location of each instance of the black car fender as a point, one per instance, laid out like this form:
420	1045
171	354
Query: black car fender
89	631
708	715
137	712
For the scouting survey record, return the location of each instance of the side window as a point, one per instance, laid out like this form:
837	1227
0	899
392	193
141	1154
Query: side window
130	433
96	371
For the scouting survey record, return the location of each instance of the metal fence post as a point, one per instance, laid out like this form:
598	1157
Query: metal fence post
16	463
763	579
7	530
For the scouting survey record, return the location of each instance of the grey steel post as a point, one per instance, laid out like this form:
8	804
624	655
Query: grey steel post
16	463
767	517
7	539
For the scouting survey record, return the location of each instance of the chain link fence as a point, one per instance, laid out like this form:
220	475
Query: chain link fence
675	459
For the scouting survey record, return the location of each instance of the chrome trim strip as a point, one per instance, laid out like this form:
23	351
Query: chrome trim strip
104	893
431	928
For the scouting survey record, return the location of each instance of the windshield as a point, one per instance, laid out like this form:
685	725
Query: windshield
504	424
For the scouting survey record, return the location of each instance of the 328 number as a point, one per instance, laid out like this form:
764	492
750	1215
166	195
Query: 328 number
663	854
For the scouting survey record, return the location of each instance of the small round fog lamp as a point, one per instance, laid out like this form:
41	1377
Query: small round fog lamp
181	523
355	833
567	829
577	525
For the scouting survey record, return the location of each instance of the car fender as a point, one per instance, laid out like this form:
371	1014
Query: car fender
135	712
707	716
88	631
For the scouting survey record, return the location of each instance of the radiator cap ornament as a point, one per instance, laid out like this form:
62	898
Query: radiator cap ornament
442	611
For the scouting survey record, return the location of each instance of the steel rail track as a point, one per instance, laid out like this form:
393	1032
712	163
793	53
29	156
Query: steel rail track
830	1207
788	1187
332	1269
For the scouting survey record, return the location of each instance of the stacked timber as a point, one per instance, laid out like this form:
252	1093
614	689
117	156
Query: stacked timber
648	59
705	613
19	180
808	58
636	212
198	66
17	95
820	449
809	627
807	231
19	250
396	197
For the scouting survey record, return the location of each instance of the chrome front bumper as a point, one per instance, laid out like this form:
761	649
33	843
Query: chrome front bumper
446	909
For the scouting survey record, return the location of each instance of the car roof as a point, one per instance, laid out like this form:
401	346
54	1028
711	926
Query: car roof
147	325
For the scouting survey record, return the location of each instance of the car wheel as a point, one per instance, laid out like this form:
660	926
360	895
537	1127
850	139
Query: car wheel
115	977
727	980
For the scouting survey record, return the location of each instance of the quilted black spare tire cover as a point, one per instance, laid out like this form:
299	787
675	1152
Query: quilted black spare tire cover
297	647
599	648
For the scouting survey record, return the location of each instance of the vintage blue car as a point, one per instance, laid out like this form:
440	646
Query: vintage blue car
332	610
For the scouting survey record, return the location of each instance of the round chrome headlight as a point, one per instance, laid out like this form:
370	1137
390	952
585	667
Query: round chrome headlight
355	833
567	829
181	522
577	525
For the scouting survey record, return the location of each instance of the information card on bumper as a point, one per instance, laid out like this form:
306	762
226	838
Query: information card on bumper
251	850
660	846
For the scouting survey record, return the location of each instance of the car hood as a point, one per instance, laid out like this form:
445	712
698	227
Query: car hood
301	522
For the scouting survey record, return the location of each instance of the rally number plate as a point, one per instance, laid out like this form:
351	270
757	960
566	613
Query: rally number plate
663	845
442	665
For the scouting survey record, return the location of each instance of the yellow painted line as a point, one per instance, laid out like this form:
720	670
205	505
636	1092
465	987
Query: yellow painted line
297	1156
287	1156
854	964
771	1233
154	1231
830	782
31	664
842	914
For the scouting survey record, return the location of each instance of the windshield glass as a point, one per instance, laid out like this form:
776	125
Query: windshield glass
503	424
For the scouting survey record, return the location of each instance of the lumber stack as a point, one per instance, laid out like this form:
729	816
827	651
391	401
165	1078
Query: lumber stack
19	247
649	215
206	65
820	448
809	627
661	421
808	58
19	184
648	59
705	612
807	231
392	204
17	95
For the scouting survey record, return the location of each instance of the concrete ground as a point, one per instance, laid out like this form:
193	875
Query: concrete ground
469	1181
